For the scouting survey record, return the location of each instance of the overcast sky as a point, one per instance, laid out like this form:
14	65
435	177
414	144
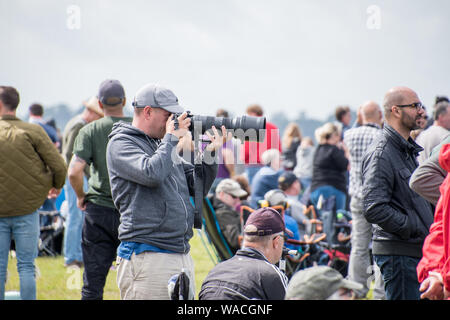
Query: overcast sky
287	55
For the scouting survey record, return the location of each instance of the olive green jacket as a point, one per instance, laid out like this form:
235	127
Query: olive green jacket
30	166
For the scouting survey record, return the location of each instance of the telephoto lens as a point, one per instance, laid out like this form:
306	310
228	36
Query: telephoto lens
244	128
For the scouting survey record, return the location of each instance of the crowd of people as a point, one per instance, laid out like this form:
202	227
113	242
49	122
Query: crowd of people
129	190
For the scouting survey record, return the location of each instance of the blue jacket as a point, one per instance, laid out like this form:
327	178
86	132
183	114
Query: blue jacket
292	225
265	179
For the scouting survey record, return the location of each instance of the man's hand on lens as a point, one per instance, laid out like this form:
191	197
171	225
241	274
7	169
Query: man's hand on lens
183	125
185	143
218	140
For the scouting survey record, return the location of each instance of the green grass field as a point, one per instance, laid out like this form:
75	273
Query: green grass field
55	282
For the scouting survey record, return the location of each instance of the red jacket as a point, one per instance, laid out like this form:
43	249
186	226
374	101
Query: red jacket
252	151
436	248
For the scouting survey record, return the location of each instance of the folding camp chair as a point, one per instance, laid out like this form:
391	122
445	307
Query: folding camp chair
51	233
337	244
212	228
315	225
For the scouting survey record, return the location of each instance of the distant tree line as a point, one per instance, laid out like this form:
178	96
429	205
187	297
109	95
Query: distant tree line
62	113
307	125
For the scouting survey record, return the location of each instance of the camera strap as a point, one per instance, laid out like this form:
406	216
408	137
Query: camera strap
198	195
198	186
176	123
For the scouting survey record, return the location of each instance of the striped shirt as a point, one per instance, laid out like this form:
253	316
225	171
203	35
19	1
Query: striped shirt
357	141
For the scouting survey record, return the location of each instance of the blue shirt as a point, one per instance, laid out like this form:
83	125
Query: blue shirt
291	225
126	249
51	132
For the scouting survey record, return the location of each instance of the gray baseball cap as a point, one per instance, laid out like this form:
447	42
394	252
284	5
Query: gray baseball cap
111	92
275	197
317	283
156	96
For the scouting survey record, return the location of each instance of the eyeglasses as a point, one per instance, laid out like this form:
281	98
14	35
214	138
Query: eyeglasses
417	105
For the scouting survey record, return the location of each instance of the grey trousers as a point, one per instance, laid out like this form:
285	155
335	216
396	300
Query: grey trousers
359	269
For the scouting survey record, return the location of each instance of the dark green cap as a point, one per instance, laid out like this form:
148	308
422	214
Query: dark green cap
317	283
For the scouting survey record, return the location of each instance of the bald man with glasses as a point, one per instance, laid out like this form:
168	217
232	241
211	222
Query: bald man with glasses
400	217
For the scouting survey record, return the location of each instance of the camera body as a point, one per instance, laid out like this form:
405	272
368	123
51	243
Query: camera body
244	128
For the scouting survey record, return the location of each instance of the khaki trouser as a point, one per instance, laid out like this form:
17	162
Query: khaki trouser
145	276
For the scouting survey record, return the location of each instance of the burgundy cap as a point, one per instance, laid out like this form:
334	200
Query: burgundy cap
265	221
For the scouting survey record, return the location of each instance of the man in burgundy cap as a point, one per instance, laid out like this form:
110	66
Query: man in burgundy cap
251	273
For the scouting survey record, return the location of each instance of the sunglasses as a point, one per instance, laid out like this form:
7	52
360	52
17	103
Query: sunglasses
417	105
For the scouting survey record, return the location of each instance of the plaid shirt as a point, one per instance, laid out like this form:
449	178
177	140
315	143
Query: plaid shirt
357	141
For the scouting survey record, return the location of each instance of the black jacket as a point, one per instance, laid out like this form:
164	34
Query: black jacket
289	155
329	168
247	275
400	217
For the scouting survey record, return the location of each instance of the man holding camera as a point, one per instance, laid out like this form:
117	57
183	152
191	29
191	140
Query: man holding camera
150	186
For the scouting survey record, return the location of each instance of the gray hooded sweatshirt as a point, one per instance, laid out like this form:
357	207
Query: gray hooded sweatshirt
150	186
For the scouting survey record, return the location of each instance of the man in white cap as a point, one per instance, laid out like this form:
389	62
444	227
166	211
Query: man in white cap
226	204
266	178
74	217
151	185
